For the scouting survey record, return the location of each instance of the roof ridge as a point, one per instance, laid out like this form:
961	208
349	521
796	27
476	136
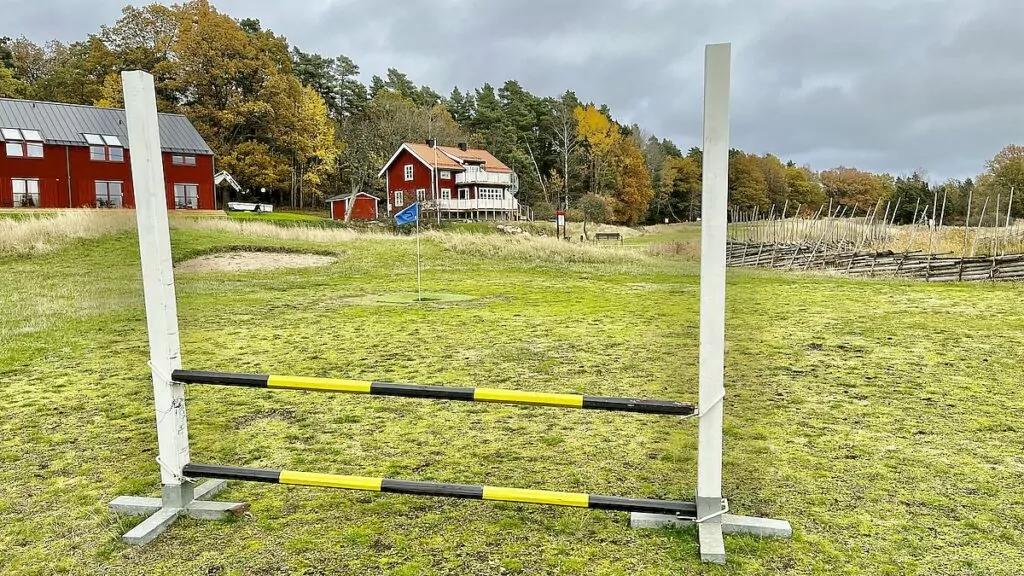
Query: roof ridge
49	103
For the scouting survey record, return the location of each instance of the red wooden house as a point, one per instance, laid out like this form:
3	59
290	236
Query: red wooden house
454	182
363	206
70	156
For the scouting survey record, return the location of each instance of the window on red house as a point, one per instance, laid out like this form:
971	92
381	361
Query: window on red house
182	160
186	196
104	148
20	143
26	192
109	194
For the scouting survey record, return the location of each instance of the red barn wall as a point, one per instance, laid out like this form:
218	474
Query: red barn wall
52	172
421	178
365	208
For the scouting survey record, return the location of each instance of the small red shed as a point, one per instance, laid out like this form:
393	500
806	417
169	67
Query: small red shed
363	206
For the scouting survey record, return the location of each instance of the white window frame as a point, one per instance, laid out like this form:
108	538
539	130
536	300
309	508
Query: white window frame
421	194
446	193
464	193
106	184
186	187
104	148
408	172
445	175
183	160
22	143
399	198
26	185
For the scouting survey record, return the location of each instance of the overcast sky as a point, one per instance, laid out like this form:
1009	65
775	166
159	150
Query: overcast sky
885	85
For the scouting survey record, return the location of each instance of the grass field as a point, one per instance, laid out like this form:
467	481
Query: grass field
881	418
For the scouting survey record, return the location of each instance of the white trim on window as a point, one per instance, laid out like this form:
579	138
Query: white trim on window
445	175
11	134
446	193
109	194
94	139
421	194
399	198
25	192
463	193
408	172
186	196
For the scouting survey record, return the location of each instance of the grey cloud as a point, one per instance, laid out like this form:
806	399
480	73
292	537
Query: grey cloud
889	85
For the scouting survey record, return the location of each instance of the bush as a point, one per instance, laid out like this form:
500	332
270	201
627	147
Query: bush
543	211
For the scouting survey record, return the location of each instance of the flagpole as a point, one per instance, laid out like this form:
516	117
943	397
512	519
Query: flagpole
419	274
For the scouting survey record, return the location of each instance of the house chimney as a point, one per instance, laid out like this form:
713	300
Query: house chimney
431	142
463	146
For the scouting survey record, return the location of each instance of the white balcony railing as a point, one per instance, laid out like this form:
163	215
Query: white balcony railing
507	204
481	177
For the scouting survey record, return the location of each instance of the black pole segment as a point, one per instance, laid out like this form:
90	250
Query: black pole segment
421	391
638	405
432	489
232	473
684	509
221	378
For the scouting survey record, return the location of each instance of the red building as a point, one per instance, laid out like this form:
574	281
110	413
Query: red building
363	206
70	156
457	182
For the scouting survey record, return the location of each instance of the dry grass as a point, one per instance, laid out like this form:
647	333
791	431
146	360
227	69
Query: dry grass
533	248
255	229
38	234
860	234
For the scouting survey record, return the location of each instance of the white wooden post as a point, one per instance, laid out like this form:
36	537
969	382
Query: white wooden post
714	224
179	495
157	277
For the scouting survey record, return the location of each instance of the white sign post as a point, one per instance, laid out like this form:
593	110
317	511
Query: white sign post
712	518
179	495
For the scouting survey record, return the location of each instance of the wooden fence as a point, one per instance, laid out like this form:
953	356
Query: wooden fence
843	257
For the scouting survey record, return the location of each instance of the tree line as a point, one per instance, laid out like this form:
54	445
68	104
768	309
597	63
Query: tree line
303	127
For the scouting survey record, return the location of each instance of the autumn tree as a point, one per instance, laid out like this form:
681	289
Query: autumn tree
851	187
805	190
600	139
1006	173
748	188
633	190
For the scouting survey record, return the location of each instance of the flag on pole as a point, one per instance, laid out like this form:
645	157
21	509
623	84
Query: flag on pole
409	215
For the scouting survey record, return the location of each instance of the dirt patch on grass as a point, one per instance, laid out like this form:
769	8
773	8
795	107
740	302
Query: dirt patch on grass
241	261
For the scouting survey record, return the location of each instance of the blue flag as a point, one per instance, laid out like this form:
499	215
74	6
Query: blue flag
409	215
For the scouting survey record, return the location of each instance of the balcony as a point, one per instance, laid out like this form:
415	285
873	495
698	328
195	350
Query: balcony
482	177
505	205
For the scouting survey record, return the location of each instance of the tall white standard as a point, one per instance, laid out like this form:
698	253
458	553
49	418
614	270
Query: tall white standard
714	228
713	519
179	494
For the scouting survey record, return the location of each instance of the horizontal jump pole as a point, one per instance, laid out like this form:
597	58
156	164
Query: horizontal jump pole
434	392
684	510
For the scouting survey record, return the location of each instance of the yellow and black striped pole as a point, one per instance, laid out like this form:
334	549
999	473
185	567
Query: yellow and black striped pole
435	392
579	500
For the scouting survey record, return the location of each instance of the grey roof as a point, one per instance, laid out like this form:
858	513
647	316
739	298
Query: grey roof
340	197
64	124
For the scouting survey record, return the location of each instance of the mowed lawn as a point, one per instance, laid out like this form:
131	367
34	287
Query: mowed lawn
882	419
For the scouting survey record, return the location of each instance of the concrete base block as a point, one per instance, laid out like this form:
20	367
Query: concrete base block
163	513
731	524
712	545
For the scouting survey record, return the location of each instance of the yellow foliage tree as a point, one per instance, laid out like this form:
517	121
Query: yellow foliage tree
633	192
599	136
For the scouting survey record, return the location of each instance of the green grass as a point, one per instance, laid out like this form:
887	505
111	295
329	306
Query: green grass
881	418
279	216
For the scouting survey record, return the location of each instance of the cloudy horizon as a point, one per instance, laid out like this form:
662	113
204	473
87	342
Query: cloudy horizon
888	86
